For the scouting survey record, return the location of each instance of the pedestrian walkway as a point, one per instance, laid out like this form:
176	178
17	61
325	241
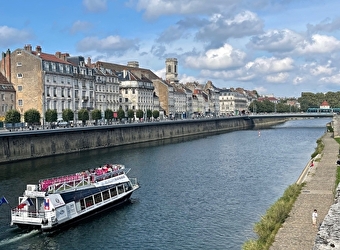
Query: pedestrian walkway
297	232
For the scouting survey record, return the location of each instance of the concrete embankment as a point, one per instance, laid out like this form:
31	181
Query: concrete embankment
31	144
297	232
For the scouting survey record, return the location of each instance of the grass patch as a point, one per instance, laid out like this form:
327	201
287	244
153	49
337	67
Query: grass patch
271	222
319	148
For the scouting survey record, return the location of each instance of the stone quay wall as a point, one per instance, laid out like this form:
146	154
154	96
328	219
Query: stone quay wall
21	145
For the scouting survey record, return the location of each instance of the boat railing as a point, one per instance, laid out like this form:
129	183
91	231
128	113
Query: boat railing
29	214
134	182
66	182
110	174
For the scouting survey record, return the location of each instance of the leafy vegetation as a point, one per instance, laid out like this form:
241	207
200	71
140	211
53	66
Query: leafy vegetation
83	115
12	116
108	115
139	114
32	116
131	114
96	115
68	115
271	222
319	148
266	106
155	114
311	100
51	115
120	114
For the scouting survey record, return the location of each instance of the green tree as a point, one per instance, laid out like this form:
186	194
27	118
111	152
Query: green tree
83	115
120	114
51	115
131	114
96	115
155	114
68	115
32	116
108	115
12	116
139	114
148	114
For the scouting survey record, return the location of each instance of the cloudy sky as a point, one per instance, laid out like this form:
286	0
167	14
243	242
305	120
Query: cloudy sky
277	47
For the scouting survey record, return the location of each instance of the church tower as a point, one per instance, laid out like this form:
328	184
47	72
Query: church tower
171	70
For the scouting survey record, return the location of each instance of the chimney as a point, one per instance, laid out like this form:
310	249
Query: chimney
8	65
28	47
89	61
133	64
38	49
58	54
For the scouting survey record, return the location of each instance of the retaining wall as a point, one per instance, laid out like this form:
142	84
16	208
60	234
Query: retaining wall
23	145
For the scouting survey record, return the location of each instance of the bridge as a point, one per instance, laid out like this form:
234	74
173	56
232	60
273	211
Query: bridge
293	115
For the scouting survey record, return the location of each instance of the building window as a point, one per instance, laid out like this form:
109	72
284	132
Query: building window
19	64
19	52
19	88
19	75
20	102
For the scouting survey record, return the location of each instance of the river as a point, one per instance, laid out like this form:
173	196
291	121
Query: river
196	193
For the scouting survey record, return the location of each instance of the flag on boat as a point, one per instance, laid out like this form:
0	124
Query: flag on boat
27	202
47	204
3	200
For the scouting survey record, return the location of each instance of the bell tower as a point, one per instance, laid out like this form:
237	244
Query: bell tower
171	70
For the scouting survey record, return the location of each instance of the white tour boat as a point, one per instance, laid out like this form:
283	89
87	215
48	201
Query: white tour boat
65	200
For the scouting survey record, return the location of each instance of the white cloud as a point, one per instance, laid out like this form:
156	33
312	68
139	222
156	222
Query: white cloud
331	79
270	65
156	8
221	28
276	40
95	5
9	36
79	26
322	69
318	44
220	58
277	78
110	45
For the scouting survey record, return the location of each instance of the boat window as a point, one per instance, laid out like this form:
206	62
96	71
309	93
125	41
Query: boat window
89	201
120	189
106	195
127	186
82	204
98	198
113	192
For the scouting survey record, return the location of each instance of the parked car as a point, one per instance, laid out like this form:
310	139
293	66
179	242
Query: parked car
63	124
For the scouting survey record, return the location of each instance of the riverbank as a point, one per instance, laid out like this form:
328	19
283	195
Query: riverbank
297	231
22	145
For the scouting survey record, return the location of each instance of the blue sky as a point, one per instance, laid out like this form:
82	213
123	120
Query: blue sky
277	47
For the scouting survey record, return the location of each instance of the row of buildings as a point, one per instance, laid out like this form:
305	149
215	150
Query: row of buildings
34	79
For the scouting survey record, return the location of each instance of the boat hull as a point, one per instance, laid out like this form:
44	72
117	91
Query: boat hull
82	217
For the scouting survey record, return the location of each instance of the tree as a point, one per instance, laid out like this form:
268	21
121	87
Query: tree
139	114
120	114
32	116
12	116
83	115
108	115
96	115
51	115
68	115
131	114
155	114
148	114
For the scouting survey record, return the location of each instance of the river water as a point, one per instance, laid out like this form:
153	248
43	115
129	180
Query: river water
197	193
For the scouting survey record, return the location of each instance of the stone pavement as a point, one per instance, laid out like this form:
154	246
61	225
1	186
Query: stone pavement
297	232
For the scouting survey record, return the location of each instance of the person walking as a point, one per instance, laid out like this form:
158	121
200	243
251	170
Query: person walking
314	217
